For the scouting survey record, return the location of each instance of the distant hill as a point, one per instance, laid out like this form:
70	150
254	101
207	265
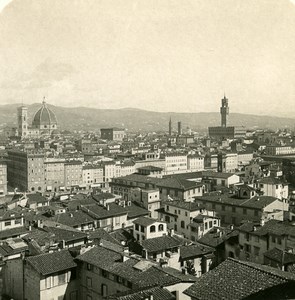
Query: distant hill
77	118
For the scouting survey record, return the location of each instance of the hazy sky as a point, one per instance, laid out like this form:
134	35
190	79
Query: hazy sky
167	55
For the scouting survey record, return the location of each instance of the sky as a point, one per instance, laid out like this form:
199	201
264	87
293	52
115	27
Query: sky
160	55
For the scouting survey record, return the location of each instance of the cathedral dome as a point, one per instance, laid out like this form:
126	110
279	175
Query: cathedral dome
44	117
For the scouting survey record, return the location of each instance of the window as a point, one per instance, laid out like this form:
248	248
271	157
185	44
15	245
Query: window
137	227
206	226
247	248
89	267
74	295
161	227
244	211
153	228
186	213
279	241
182	224
7	223
48	282
210	224
89	282
256	251
61	278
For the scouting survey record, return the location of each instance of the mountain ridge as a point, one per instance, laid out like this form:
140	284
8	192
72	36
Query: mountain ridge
135	119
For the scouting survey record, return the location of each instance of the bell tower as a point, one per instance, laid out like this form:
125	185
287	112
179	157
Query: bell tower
22	121
224	111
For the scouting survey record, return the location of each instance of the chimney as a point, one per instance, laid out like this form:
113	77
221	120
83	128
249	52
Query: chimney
171	232
254	228
262	222
183	271
231	227
108	207
71	215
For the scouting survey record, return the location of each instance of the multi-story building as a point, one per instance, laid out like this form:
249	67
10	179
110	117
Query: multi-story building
104	272
3	178
92	175
50	276
273	187
26	170
180	216
175	163
245	205
257	238
148	228
195	162
224	131
54	175
73	173
149	199
112	134
279	150
227	162
180	189
10	219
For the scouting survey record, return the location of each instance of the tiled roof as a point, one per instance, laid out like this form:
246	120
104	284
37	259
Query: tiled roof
158	293
61	234
161	243
103	196
112	262
100	233
9	214
176	183
72	219
280	256
135	211
217	236
144	221
36	198
234	280
50	263
102	212
191	251
274	227
4	234
258	202
187	205
271	180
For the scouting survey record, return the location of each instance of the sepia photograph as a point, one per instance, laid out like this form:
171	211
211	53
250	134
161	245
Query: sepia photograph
147	149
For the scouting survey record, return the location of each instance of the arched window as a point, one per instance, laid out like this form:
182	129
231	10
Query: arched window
33	189
39	188
161	227
153	228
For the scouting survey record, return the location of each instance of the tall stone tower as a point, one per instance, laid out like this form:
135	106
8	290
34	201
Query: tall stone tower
22	121
170	127
179	129
224	111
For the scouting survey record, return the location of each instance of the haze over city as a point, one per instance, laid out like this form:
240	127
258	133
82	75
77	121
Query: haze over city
156	55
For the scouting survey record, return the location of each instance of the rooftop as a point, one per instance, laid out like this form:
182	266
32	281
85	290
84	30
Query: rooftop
234	280
50	263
